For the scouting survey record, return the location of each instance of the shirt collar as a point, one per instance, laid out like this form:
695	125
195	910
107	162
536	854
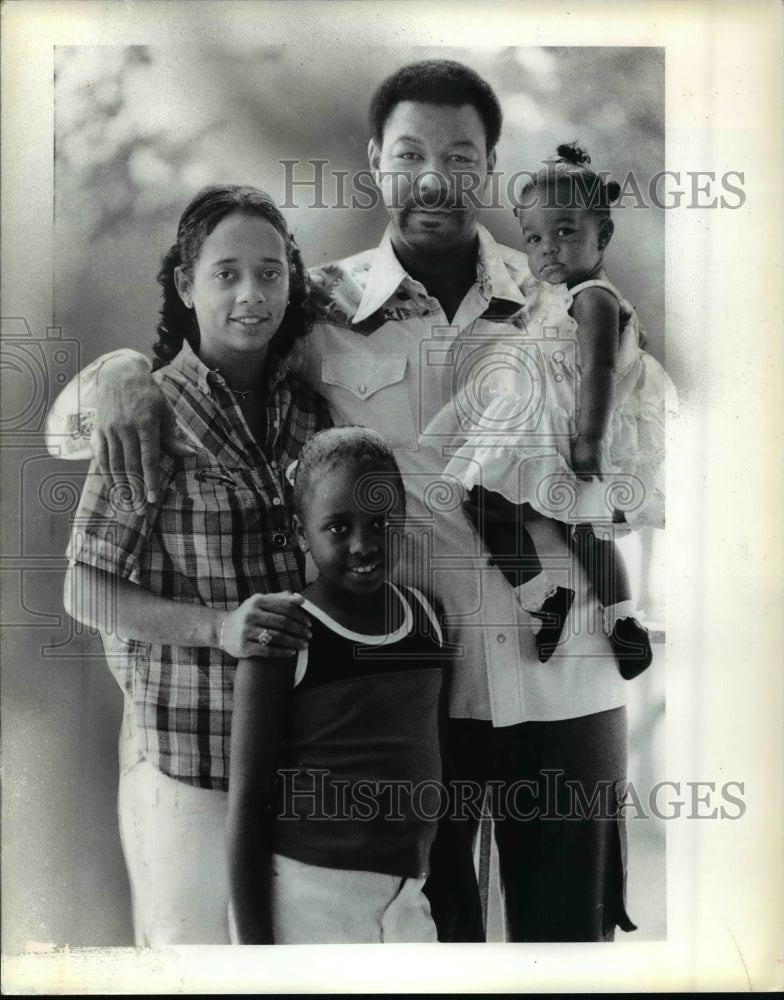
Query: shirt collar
194	369
387	274
493	273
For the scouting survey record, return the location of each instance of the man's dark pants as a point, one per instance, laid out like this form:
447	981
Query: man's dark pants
554	790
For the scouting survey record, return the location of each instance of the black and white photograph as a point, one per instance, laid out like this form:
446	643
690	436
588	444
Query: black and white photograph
391	497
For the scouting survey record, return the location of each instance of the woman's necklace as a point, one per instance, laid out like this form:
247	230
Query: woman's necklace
237	393
253	411
240	394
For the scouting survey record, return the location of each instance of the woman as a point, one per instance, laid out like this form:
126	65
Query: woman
182	586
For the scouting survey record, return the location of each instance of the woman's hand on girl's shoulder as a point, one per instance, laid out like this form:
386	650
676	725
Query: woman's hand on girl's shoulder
267	625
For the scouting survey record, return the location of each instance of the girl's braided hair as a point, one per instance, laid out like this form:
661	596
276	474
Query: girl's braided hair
210	206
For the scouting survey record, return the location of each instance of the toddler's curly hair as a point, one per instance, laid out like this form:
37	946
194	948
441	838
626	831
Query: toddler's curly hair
568	182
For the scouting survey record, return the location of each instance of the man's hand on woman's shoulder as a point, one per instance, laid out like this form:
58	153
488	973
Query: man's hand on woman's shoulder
134	422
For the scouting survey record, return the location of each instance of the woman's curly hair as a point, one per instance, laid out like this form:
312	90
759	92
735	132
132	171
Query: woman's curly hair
206	210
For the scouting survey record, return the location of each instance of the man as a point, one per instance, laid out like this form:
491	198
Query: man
395	325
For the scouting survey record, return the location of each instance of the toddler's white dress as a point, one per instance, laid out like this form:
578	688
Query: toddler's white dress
510	424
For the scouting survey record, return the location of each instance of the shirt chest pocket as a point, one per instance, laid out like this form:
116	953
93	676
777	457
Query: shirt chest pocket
209	505
371	390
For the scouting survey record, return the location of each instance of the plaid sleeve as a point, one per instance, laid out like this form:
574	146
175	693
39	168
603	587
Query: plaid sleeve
112	524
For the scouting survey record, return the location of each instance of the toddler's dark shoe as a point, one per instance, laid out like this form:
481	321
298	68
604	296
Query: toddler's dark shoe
553	614
632	647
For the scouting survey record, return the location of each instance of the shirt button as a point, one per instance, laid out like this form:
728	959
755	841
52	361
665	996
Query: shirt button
501	637
362	389
279	539
276	501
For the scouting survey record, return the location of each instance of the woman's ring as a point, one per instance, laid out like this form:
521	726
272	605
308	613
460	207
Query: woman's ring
264	637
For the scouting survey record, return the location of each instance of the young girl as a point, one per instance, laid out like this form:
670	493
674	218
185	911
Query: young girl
183	586
585	446
335	759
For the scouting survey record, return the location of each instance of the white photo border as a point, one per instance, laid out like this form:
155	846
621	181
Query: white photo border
724	690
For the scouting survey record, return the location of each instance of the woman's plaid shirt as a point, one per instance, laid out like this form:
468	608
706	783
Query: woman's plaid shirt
220	532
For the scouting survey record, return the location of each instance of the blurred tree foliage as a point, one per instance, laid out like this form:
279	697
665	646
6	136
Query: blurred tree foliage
139	128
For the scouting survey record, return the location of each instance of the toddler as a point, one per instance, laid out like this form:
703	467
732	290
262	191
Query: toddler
590	456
